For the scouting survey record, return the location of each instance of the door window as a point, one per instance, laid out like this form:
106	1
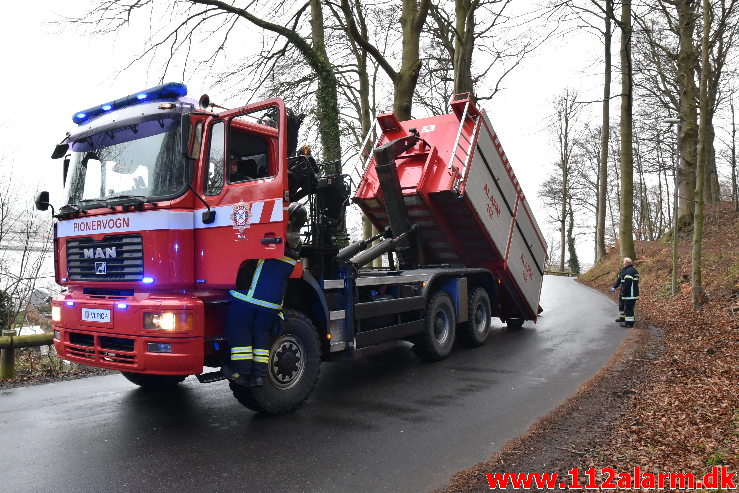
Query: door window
216	160
248	154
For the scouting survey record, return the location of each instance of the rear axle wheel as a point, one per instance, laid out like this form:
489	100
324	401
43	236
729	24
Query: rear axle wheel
436	342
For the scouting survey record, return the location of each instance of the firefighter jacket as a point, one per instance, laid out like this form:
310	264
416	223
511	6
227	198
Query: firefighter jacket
268	284
628	279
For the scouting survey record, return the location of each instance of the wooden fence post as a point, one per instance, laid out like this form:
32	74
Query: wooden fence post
7	357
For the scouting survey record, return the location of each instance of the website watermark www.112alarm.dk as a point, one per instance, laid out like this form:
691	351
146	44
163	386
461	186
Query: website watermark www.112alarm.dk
608	478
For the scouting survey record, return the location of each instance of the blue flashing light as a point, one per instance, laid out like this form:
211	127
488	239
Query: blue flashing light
122	306
147	280
165	92
70	303
200	281
216	346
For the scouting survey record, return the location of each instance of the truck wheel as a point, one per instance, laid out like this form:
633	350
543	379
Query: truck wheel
436	342
294	364
153	381
514	323
475	332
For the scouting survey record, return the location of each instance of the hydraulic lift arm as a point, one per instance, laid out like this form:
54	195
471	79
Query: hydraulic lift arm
409	248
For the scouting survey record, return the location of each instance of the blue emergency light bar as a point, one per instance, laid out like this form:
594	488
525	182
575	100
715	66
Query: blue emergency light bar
166	92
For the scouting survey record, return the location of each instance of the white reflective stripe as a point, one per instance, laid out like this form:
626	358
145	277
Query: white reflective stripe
123	223
278	213
162	219
256	212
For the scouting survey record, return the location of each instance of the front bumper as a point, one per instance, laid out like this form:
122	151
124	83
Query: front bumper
122	343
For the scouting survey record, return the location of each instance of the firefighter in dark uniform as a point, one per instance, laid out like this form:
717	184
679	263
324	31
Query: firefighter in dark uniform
628	280
255	314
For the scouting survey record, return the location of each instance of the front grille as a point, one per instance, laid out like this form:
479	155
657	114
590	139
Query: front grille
115	258
112	294
116	343
105	349
81	339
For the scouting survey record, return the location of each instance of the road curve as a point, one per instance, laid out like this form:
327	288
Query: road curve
387	422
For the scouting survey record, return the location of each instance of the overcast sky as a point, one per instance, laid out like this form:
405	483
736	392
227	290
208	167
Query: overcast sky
50	72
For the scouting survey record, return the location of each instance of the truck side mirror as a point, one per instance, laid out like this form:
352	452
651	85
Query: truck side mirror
209	216
59	151
42	201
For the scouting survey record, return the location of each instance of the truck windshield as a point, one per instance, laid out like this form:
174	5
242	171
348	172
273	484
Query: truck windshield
141	161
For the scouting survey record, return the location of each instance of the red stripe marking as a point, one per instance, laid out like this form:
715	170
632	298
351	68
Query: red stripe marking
267	211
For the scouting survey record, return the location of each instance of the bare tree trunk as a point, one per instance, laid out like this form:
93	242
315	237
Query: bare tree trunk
365	113
327	106
573	262
734	191
660	216
714	191
626	228
566	109
464	44
687	60
700	172
412	19
562	228
600	226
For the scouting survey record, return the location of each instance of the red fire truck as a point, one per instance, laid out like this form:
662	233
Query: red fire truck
170	202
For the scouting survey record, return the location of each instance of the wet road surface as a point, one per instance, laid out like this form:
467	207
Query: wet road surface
387	422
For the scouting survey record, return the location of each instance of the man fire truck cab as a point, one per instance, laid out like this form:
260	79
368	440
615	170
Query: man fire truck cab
170	203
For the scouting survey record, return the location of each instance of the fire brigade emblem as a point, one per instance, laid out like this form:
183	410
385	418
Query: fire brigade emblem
240	216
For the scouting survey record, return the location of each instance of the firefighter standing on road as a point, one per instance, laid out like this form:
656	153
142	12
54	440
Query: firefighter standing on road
255	313
628	280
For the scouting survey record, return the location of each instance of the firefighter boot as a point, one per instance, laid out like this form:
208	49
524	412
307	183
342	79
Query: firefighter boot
620	319
235	376
627	324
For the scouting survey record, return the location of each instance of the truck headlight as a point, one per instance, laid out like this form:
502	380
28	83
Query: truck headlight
167	320
56	313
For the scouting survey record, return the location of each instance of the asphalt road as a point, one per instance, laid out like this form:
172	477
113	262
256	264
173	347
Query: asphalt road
382	423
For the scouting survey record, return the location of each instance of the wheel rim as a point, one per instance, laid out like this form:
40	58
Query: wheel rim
442	326
481	318
286	362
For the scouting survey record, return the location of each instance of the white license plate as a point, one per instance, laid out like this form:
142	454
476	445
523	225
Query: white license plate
95	315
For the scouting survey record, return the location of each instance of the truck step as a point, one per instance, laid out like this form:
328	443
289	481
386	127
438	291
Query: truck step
211	377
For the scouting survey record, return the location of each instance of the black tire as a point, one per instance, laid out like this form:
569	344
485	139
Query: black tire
153	381
294	365
436	342
475	332
514	323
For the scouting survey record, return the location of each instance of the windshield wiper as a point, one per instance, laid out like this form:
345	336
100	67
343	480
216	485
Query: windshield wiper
90	203
73	208
136	199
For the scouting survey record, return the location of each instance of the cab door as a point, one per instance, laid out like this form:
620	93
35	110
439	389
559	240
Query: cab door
244	180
